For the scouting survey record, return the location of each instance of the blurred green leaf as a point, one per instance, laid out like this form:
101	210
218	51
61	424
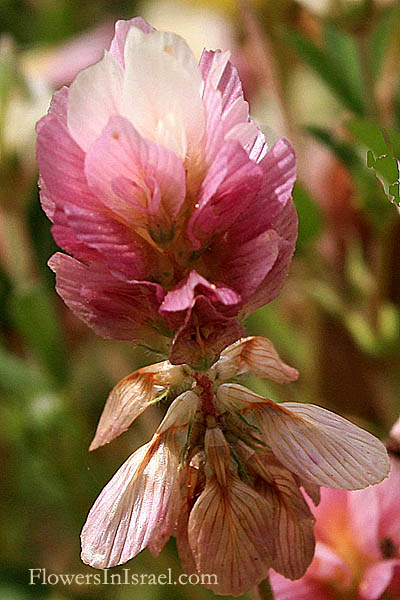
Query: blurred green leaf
341	149
34	317
380	38
17	377
310	219
332	65
375	342
342	51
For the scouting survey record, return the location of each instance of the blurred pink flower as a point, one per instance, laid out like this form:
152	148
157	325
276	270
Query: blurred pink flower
59	65
223	471
178	218
357	553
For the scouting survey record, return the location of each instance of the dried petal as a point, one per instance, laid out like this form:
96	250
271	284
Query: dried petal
131	396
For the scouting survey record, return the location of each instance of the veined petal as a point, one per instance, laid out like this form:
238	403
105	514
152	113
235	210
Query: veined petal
180	413
312	442
279	174
94	97
219	74
113	308
324	448
81	222
254	355
120	153
131	507
131	396
244	266
161	72
293	521
230	536
228	189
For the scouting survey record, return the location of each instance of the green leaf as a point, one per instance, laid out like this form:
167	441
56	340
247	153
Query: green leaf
370	134
34	317
310	219
331	65
383	147
342	51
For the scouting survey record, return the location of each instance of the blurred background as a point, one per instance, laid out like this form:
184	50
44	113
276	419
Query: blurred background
325	74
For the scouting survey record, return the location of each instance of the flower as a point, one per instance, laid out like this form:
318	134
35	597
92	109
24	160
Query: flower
357	552
223	471
177	218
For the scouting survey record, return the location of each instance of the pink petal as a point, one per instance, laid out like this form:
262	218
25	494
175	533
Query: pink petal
114	309
328	566
94	97
244	266
362	505
305	588
218	73
203	335
80	219
131	507
229	188
382	576
131	396
254	355
122	28
120	153
388	494
182	297
315	444
279	174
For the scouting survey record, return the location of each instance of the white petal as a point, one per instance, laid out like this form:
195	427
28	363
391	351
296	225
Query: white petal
254	355
131	507
94	97
131	396
315	444
323	448
162	91
180	413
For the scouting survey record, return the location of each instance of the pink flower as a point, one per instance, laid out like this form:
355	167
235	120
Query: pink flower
223	471
177	217
357	552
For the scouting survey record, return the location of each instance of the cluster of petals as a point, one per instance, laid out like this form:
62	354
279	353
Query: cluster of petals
176	217
225	471
357	551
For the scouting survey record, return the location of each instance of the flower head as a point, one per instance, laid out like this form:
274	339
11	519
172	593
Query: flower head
177	217
223	473
357	552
